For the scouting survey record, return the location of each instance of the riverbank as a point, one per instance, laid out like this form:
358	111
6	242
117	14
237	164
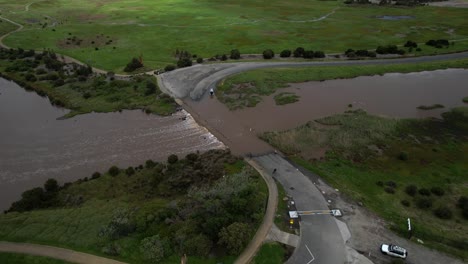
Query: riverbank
78	88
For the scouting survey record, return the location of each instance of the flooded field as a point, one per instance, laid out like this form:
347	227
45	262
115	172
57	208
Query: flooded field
35	146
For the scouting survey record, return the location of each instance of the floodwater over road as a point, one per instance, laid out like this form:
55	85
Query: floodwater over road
394	95
35	146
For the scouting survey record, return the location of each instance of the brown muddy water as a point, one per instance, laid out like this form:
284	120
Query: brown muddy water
35	146
393	95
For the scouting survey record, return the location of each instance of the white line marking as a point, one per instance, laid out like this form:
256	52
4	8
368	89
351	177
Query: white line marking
313	258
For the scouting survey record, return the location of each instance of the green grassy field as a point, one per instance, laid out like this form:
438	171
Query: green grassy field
246	89
13	258
154	29
186	203
373	160
270	253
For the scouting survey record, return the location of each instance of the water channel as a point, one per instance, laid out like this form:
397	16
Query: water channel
34	145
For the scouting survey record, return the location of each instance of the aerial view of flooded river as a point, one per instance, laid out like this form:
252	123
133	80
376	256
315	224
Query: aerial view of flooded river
35	146
393	95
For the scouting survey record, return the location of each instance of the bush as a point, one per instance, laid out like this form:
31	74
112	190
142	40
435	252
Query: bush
51	186
30	77
380	183
405	203
150	88
172	159
235	54
95	175
86	95
437	191
462	202
133	65
114	171
150	164
308	54
285	54
403	156
389	190
268	54
235	237
298	52
391	184
411	44
169	67
200	60
224	57
443	212
184	62
59	82
152	249
199	245
130	171
319	54
424	191
424	203
411	190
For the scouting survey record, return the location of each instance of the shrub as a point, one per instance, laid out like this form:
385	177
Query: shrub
411	190
41	71
150	88
172	159
411	44
405	203
130	171
380	183
51	186
308	54
169	67
133	65
462	202
30	77
437	191
391	184
114	171
95	175
424	203
150	164
372	54
200	60
443	212
86	95
285	54
389	190
403	156
224	57
268	54
298	52
424	191
235	54
59	82
184	62
152	249
235	237
319	54
362	53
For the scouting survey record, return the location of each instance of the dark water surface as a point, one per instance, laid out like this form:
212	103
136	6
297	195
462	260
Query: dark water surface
35	146
393	95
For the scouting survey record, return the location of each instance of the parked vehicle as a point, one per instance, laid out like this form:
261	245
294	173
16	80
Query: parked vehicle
393	250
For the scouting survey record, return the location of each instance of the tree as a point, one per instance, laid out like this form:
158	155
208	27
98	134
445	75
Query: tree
268	54
235	54
114	171
298	52
51	186
285	54
199	245
133	65
152	249
172	159
308	54
235	237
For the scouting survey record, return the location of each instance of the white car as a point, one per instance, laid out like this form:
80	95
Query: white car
394	251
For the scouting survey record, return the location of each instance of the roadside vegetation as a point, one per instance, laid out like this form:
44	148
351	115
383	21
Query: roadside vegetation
78	88
15	258
247	89
111	33
272	253
207	206
398	168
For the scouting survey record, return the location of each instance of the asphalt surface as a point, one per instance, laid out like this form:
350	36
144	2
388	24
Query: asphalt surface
321	240
196	80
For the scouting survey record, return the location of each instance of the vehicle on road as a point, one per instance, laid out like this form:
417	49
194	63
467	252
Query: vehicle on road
393	250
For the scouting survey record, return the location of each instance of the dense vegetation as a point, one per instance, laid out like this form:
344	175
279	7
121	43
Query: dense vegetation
78	88
206	206
399	168
247	89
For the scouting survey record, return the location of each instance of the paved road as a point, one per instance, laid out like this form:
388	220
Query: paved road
55	252
321	240
196	80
